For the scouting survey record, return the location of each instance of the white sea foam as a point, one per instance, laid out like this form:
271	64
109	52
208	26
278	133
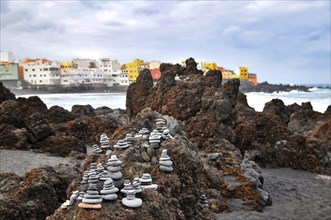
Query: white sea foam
320	99
67	100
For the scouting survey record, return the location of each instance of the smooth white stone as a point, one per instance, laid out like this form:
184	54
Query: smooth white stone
114	168
132	203
110	197
152	186
165	163
92	201
166	168
116	175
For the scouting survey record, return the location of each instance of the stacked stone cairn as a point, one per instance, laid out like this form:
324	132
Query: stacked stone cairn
162	128
93	166
165	162
85	177
146	182
160	124
155	139
71	200
73	197
129	139
96	149
104	141
136	184
143	133
131	201
121	144
91	199
114	166
127	187
93	177
100	168
203	200
105	175
109	191
81	196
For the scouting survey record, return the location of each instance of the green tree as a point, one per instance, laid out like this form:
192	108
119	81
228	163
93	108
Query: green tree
92	65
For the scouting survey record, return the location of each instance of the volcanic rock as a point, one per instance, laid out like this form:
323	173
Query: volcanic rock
83	110
41	192
5	94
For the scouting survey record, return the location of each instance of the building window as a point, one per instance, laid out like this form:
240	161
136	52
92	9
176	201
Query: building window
40	81
26	70
34	75
32	69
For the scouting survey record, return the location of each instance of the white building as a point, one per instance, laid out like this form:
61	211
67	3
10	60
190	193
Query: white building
84	63
95	77
108	65
120	78
6	57
41	72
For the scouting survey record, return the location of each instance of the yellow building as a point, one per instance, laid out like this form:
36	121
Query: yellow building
228	74
68	65
133	69
243	72
209	66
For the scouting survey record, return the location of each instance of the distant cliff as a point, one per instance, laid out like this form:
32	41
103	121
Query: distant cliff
246	86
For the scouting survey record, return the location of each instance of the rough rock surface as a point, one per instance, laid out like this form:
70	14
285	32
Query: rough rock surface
26	123
213	111
200	101
270	88
5	94
36	195
283	136
221	178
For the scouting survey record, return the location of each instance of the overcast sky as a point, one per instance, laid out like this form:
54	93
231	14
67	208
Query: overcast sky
283	42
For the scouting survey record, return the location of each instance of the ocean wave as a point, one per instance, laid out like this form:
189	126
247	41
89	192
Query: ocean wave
319	98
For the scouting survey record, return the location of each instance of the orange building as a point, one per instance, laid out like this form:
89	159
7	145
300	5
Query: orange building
252	77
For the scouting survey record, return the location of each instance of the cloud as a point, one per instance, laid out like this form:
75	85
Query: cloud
274	38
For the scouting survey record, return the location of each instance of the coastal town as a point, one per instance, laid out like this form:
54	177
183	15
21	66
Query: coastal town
41	73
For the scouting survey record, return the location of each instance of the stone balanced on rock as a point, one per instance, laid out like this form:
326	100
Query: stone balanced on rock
109	191
131	201
114	166
91	199
165	162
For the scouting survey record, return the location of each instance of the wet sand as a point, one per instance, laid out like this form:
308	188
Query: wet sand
20	162
296	195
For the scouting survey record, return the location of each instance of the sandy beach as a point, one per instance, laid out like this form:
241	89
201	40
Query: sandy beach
296	195
20	162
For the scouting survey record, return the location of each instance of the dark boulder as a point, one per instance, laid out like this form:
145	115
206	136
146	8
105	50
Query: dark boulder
83	110
5	94
59	115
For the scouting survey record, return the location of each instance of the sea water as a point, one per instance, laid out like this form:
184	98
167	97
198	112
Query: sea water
319	98
67	100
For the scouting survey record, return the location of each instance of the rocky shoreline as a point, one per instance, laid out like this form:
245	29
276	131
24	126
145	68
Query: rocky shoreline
218	143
